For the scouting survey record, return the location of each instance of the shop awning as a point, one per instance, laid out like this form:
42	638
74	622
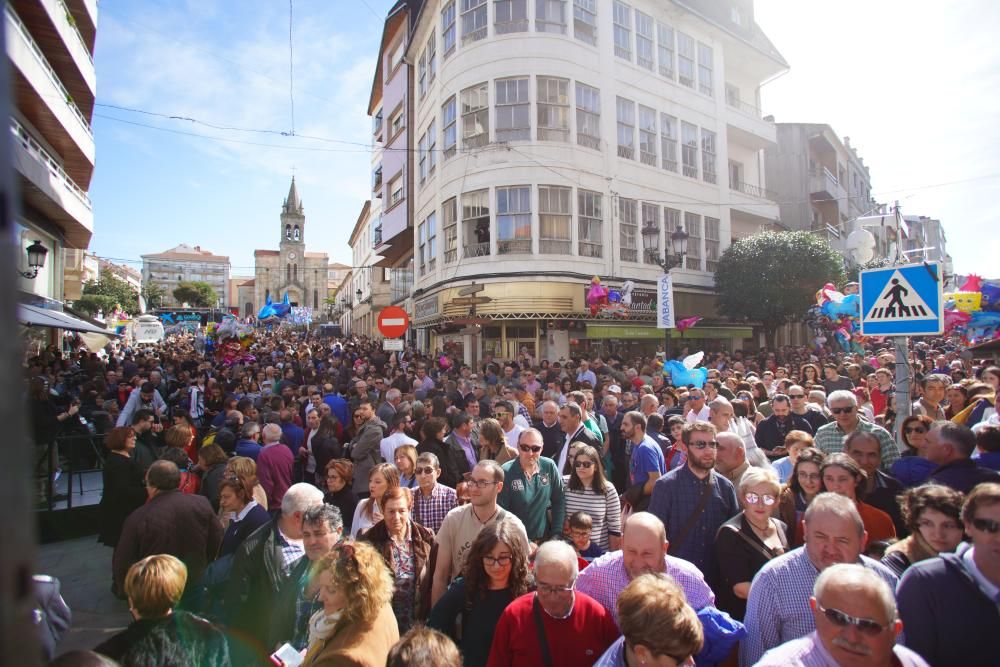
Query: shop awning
34	316
635	332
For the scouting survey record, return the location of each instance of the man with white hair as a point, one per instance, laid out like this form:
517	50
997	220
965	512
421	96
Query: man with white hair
261	565
388	409
844	407
856	624
720	413
731	458
556	625
275	465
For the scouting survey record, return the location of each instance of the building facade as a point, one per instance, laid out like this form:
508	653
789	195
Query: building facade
50	51
925	241
548	134
127	274
291	269
367	284
185	263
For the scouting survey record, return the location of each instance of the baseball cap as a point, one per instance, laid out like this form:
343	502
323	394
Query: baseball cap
615	389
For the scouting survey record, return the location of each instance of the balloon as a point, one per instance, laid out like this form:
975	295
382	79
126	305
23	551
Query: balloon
991	297
272	309
596	295
684	373
973	283
848	305
968	302
687	323
955	318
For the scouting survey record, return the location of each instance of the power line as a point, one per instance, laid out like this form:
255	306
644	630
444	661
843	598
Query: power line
291	66
374	13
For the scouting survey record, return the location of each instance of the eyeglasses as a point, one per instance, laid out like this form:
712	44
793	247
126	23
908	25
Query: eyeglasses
480	483
796	396
714	444
500	414
837	411
915	429
810	476
986	525
753	499
429	470
865	626
583	464
529	448
548	589
499	561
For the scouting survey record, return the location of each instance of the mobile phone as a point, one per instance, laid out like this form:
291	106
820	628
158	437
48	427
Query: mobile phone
287	656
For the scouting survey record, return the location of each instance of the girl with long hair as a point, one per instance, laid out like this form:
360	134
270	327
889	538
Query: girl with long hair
381	479
588	491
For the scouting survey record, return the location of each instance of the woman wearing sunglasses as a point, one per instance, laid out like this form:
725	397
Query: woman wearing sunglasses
745	543
913	468
588	491
496	572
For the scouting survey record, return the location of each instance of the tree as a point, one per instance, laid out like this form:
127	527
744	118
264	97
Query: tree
117	292
91	304
198	293
153	294
772	277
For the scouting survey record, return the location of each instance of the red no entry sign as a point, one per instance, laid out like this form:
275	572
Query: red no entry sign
393	321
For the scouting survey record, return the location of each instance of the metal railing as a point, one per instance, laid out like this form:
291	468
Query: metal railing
514	247
629	255
506	27
647	158
40	57
588	141
554	246
626	152
588	249
35	149
753	190
734	102
72	24
476	249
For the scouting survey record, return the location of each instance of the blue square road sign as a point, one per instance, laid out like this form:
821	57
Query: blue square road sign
902	301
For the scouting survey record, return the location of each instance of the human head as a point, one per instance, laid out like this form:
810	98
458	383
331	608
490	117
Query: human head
405	458
914	431
658	624
496	540
834	532
322	527
758	492
731	452
396	504
806	477
163	476
120	439
299	498
358	578
550	412
271	434
154	585
696	400
934	513
847	591
433	428
865	449
529	447
842	474
142	420
491	433
699	443
644	545
843	405
634	426
991	376
795	442
178	436
556	569
503	411
570	418
424	647
935	386
339	474
781	405
381	478
981	516
720	413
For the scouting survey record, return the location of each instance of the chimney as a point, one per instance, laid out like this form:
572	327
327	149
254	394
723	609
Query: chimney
847	141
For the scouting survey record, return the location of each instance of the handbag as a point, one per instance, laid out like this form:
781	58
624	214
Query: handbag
706	495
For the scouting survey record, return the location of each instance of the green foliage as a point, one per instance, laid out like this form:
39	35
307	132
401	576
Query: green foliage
90	304
153	294
772	277
198	293
116	290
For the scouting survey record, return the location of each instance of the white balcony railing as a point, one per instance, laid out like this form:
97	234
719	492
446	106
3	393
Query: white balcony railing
35	149
72	24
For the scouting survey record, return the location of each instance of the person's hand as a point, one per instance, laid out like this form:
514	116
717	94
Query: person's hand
73	409
157	427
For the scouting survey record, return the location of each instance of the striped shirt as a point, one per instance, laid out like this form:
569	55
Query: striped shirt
604	510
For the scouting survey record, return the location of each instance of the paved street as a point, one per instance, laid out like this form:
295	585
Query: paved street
84	568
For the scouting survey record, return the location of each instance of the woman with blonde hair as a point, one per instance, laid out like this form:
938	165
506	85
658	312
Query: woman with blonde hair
356	625
382	478
245	468
493	444
405	458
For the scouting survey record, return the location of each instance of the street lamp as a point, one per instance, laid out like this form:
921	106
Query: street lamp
673	256
36	259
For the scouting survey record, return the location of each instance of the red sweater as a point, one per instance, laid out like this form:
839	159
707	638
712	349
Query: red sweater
275	464
578	640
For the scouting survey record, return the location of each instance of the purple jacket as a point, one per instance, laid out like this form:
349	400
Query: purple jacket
275	468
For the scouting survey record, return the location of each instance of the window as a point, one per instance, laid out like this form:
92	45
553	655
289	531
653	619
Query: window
668	141
476	223
685	59
473	20
510	16
692	225
513	111
708	155
448	28
665	49
377	124
514	220
644	40
689	149
422	248
711	244
431	57
671	220
449	218
585	21
651	219
376	187
550	16
396	190
397	57
431	254
553	109
623	31
448	116
422	158
625	110
732	96
431	147
735	175
588	116
705	69
422	75
475	116
554	216
628	229
396	122
590	219
647	135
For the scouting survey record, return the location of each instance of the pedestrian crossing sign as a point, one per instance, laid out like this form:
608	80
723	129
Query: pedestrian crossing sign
902	301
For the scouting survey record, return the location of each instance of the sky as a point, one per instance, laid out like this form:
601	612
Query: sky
914	83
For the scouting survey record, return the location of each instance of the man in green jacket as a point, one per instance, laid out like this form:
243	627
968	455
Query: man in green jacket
533	489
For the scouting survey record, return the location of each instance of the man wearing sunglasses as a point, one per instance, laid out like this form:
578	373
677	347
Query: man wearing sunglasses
949	604
798	398
844	406
856	624
533	489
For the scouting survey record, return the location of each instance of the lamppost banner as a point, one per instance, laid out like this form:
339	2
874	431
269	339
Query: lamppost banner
664	303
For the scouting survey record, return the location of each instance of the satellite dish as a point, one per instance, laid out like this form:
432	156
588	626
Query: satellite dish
861	245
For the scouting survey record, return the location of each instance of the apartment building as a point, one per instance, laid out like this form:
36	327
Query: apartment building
185	263
367	283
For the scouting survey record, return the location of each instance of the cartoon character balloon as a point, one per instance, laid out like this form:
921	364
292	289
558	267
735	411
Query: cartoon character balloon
684	373
597	295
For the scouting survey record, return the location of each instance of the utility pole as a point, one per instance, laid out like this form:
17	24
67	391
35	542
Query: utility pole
904	372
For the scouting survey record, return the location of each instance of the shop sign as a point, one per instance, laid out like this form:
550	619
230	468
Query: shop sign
623	302
426	308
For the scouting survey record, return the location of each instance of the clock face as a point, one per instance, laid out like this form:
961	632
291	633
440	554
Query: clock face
291	255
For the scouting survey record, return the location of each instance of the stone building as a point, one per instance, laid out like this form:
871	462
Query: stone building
291	268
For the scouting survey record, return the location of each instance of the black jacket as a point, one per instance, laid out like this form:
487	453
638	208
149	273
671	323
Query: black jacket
769	434
210	481
283	613
458	456
449	469
583	435
178	640
552	438
124	492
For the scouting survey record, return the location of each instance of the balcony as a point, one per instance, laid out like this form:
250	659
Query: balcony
47	187
824	185
476	250
377	182
587	249
554	246
747	125
514	247
629	255
753	191
588	141
626	152
376	236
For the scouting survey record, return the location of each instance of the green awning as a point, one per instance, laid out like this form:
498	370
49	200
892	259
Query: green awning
637	332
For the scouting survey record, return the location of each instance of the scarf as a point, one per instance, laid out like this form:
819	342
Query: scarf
321	626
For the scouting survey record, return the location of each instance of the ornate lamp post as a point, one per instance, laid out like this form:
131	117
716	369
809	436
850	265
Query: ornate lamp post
672	256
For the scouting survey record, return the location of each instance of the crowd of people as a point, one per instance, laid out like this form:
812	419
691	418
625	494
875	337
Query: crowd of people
330	503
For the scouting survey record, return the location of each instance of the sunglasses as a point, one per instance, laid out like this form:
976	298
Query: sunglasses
714	444
583	464
796	396
865	626
837	411
753	499
529	448
916	429
986	525
424	471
